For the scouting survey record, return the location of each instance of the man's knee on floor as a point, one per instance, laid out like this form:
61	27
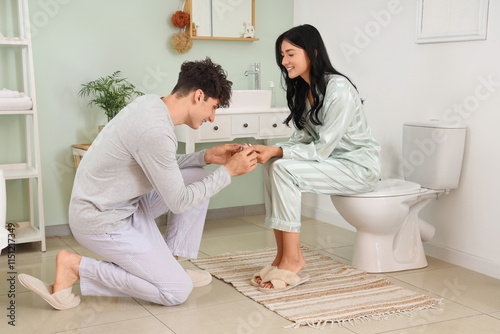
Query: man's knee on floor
177	296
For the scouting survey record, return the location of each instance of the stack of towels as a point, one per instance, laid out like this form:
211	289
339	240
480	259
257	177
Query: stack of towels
12	100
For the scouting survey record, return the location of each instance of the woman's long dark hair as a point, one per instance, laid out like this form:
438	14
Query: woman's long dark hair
309	39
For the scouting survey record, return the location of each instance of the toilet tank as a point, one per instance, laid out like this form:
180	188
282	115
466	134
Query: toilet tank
433	154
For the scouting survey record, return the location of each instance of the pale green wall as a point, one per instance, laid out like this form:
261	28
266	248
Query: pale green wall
75	41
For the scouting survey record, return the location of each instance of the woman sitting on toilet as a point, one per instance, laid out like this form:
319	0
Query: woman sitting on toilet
332	150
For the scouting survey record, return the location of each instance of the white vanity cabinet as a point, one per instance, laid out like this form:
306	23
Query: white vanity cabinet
237	123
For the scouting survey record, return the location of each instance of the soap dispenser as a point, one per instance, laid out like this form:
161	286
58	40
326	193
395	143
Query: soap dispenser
273	96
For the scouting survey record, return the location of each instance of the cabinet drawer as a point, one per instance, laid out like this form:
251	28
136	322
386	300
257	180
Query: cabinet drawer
219	129
272	126
244	124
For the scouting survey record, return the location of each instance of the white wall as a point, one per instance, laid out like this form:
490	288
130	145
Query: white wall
401	81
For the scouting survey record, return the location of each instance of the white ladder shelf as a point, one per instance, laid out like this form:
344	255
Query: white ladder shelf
30	169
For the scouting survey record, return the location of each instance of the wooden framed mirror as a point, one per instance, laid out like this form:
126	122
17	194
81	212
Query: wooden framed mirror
221	19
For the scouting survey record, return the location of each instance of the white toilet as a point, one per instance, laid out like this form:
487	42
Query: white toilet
389	231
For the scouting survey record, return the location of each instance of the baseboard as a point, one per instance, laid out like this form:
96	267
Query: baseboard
212	214
236	211
469	261
57	231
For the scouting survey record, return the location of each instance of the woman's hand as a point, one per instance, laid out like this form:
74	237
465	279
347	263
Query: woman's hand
267	152
242	162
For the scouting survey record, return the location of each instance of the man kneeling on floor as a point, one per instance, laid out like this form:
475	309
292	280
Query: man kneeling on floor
130	175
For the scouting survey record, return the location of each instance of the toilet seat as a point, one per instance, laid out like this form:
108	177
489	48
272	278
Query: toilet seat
392	188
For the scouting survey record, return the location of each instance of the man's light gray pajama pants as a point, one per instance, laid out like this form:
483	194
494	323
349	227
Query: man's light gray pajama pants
139	260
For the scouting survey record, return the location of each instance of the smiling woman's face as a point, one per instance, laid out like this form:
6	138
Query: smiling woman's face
295	60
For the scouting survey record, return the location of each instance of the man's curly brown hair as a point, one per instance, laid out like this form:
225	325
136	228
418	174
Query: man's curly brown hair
207	76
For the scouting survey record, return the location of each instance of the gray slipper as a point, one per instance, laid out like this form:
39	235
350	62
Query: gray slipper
61	300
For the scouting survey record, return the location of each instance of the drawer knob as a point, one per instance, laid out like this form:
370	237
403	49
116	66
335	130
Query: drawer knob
216	128
275	125
245	125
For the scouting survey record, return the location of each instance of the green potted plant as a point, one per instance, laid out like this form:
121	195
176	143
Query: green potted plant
111	93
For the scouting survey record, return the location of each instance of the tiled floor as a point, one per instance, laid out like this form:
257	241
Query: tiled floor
471	300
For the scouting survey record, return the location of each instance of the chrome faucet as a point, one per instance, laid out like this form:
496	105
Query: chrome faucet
256	71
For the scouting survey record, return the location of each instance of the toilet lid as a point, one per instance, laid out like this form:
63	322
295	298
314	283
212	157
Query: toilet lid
392	187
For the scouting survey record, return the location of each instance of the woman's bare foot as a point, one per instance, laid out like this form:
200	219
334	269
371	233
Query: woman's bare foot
67	270
275	263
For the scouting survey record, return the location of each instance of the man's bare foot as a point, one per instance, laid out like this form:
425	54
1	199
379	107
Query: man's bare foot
67	270
293	265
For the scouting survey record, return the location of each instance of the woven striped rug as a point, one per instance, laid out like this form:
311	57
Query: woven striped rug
335	292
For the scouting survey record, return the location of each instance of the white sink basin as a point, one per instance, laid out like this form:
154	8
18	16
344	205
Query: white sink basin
250	99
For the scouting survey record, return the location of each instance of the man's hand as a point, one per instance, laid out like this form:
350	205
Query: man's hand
267	152
242	162
220	154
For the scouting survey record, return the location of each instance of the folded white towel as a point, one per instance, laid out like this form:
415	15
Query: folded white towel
22	103
10	93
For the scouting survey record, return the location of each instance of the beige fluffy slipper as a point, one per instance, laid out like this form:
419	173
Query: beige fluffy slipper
61	300
199	277
262	273
283	280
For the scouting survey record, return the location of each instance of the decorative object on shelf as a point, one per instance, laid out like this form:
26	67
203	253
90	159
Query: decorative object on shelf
181	41
180	19
249	31
1	36
11	227
111	93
